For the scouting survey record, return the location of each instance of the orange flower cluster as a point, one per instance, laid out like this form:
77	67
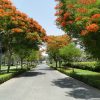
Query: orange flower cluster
34	26
70	6
59	19
45	38
78	18
96	16
92	28
63	24
84	32
17	30
6	4
82	10
70	22
59	6
59	12
6	1
5	7
87	2
66	15
1	11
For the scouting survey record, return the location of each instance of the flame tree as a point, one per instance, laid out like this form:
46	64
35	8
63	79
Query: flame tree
18	31
81	19
54	43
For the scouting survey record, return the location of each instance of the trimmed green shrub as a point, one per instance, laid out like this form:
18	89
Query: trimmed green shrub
8	76
91	66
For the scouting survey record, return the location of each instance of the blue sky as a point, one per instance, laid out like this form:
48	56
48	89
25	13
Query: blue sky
42	11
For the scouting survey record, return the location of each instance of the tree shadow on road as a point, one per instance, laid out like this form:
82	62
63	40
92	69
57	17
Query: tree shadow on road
31	74
64	83
47	69
77	89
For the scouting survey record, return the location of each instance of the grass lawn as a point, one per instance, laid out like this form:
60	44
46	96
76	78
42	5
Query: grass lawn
88	77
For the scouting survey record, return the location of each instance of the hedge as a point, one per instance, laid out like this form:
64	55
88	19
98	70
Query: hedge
91	66
5	77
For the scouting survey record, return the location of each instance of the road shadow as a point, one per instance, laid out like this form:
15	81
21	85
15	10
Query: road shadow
63	83
31	74
47	69
82	93
77	89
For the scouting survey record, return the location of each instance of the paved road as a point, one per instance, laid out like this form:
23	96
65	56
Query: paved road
43	83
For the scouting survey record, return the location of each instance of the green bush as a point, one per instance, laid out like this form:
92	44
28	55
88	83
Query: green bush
91	66
5	77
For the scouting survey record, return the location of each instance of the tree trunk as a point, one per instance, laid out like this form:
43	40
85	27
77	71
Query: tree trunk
31	63
0	55
0	62
9	61
56	64
27	64
0	68
16	65
21	63
4	61
59	64
73	70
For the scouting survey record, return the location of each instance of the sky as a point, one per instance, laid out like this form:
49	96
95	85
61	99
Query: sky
42	11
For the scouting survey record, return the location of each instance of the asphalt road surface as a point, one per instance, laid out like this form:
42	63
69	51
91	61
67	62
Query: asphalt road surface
44	83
